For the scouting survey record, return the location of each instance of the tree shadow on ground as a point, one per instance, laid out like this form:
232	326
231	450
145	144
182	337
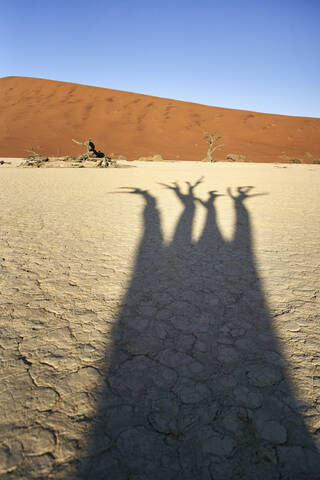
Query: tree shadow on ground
196	386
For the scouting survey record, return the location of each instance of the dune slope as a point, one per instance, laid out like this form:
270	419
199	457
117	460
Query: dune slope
47	114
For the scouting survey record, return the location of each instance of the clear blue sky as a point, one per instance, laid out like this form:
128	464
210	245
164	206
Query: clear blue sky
261	55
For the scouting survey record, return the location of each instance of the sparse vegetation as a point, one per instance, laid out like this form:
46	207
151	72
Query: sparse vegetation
288	159
308	154
316	161
35	159
101	160
284	157
212	139
154	158
235	157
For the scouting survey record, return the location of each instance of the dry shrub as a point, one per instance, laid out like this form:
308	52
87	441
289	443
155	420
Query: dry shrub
154	158
288	159
235	157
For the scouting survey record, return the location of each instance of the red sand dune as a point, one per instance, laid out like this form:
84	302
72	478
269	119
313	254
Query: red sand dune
46	115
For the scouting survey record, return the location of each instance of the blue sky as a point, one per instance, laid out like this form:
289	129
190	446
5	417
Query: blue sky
261	55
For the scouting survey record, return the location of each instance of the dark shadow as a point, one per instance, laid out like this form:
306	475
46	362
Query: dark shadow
196	386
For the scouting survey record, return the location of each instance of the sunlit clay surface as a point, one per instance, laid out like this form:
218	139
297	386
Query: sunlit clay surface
158	329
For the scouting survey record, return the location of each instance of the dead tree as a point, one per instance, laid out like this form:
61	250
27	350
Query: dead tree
212	139
102	160
35	159
91	149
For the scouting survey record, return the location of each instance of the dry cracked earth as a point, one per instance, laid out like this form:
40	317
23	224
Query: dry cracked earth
156	329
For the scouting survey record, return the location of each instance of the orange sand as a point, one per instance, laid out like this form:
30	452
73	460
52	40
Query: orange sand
47	114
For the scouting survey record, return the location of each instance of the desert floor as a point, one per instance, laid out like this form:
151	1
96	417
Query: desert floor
159	331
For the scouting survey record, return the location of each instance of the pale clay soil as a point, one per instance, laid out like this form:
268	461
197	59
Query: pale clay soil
160	333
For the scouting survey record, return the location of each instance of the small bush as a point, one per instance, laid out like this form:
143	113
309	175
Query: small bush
295	160
155	158
286	158
232	157
235	157
316	161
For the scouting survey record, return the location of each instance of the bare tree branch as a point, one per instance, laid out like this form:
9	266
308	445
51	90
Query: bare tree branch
36	154
211	139
79	143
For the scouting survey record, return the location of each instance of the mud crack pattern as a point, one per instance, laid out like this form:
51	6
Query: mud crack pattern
160	330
